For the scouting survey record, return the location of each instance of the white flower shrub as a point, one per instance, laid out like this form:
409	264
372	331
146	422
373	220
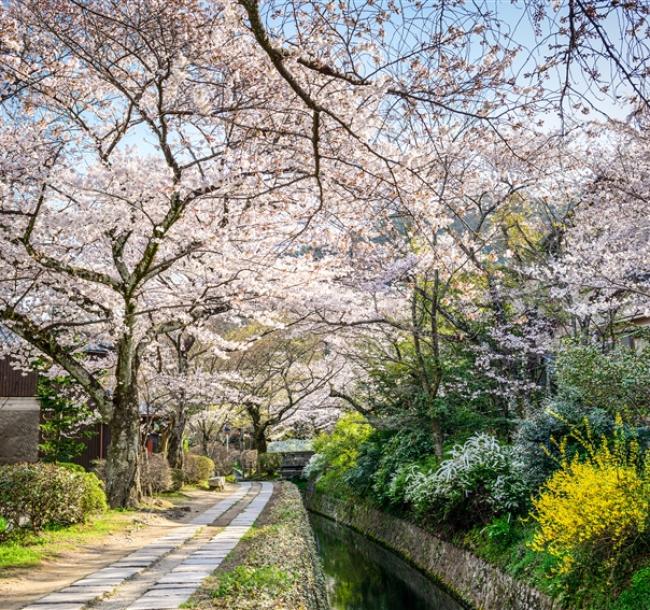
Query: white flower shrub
315	467
481	476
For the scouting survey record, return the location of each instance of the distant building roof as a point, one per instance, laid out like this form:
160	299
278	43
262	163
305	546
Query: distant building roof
294	445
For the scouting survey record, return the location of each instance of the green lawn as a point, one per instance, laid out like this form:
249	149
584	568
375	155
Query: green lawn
30	549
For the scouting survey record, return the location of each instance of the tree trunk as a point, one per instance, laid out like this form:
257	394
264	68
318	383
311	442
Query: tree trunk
259	439
259	428
436	433
175	454
123	461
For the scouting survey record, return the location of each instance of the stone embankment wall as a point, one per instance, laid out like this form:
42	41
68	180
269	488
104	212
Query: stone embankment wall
470	578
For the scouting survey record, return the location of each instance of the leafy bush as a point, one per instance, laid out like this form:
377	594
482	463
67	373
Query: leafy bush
315	467
592	508
502	541
380	459
539	438
340	450
156	475
71	466
197	468
479	480
617	380
360	476
405	477
269	463
93	499
36	495
637	595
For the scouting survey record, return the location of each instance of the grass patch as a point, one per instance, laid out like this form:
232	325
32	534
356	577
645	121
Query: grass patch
14	555
26	550
247	580
264	530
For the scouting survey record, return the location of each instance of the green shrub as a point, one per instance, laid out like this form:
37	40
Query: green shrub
340	451
197	468
93	499
637	595
269	463
539	438
360	476
315	467
35	495
405	447
617	381
156	475
502	542
384	461
65	420
399	484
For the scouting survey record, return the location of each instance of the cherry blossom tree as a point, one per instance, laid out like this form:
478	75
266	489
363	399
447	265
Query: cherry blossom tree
279	381
105	241
206	428
167	163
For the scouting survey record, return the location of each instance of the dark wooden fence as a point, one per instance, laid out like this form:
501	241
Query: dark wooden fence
14	383
96	445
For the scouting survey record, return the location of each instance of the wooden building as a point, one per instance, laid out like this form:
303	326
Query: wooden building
19	415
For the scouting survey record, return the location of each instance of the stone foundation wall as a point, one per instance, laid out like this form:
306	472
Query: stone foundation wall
19	421
470	578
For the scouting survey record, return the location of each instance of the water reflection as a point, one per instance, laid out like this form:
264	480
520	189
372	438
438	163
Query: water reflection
361	575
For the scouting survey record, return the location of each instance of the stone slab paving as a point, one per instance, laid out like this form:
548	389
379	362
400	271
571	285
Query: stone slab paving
78	595
176	587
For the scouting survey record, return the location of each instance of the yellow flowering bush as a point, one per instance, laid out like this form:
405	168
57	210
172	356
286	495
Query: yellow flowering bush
594	505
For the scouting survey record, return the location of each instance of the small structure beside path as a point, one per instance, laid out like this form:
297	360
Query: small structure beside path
295	452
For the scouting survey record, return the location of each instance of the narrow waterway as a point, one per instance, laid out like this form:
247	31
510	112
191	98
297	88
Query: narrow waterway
361	575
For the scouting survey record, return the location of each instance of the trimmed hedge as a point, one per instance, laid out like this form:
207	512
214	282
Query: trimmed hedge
33	496
197	468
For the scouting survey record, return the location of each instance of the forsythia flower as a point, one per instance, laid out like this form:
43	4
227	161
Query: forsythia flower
595	504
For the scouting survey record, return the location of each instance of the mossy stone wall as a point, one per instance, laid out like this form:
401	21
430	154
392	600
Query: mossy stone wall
470	578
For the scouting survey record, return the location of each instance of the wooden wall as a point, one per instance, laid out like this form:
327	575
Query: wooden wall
15	383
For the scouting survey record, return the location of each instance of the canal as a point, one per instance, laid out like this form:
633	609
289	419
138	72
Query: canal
361	575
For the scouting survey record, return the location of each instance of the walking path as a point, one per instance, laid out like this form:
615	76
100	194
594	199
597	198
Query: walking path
164	574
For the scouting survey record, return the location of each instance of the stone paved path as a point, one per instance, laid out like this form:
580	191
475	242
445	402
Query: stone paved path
165	573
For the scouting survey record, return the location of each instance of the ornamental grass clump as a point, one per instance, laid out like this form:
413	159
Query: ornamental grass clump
594	509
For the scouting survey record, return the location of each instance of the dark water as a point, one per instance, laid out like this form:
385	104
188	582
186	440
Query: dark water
361	575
